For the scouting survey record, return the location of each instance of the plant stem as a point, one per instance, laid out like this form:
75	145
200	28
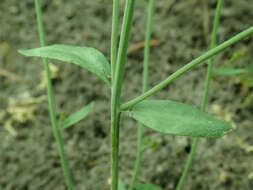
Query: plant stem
205	96
144	88
114	37
147	45
51	103
116	90
211	60
188	67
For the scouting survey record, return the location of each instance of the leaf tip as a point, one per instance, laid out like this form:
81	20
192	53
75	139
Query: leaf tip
228	130
92	105
21	51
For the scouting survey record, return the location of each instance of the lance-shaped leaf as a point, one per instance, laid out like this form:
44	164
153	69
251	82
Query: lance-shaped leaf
77	116
175	118
140	186
87	58
121	185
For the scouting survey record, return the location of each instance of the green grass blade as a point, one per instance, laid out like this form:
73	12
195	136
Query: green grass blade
228	72
121	185
179	119
85	57
140	186
77	116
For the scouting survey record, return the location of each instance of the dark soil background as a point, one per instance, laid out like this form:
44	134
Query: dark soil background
28	152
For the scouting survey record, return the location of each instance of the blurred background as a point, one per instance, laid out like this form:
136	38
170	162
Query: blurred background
181	32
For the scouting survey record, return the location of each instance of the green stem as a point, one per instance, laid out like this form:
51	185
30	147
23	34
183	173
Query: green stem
211	60
138	157
205	96
116	90
147	45
51	103
189	66
114	36
144	88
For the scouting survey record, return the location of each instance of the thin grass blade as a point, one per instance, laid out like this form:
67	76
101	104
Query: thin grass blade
228	72
140	186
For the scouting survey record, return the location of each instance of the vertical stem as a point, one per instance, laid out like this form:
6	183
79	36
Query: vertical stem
116	90
51	103
144	87
206	92
147	45
114	37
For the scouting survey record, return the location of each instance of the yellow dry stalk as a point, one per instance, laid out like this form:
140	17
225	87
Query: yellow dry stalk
244	146
5	49
223	113
54	74
19	111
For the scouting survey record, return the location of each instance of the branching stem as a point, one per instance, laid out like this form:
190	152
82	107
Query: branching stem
246	33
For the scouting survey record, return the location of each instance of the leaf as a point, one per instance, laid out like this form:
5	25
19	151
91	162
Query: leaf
121	185
87	58
63	117
140	186
235	56
154	145
175	118
77	116
229	72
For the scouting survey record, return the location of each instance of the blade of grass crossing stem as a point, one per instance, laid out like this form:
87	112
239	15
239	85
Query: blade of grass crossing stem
116	90
144	88
51	100
206	92
114	37
218	49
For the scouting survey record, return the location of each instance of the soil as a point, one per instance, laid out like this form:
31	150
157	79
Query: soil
28	152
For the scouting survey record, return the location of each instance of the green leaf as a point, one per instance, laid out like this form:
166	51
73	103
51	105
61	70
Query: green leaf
77	116
121	185
63	117
175	118
87	58
236	56
140	186
154	145
229	72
